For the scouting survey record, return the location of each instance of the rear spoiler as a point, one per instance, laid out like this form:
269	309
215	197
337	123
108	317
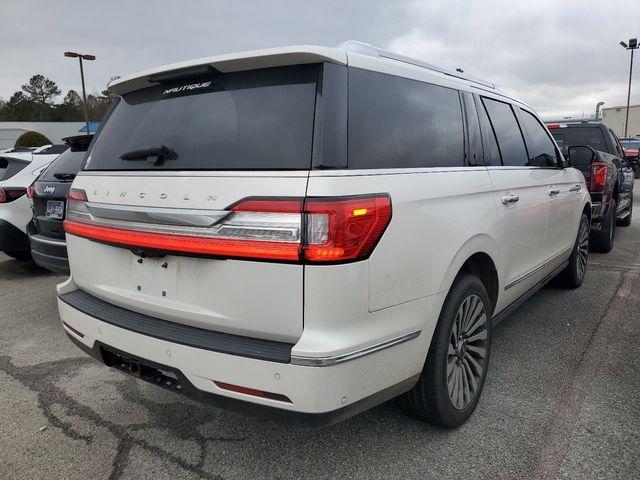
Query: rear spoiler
231	62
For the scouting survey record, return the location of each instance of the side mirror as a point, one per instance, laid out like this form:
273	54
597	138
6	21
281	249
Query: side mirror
580	155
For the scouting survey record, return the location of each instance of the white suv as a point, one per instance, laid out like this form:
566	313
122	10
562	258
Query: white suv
18	171
315	231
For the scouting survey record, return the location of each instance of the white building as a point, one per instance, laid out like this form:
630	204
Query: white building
615	117
54	131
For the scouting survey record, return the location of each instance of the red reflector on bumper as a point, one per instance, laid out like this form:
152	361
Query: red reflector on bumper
251	391
78	333
186	244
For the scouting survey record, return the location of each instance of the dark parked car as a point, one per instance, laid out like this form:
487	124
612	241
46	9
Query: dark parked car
632	153
609	176
49	192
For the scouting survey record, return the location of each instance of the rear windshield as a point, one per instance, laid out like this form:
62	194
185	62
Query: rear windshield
68	163
591	136
259	119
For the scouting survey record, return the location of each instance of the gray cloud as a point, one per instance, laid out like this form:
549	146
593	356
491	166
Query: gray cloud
560	57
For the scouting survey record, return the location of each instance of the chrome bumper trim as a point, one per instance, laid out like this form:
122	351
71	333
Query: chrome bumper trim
345	357
47	241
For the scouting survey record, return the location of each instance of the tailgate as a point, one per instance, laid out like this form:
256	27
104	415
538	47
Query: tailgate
259	299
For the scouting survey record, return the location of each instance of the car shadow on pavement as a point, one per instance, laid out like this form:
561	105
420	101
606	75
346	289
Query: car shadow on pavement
14	269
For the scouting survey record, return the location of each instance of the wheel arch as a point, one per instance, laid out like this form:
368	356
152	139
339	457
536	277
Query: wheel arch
587	210
478	256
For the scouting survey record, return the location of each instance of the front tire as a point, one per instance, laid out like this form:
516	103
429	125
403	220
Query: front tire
573	275
456	367
602	240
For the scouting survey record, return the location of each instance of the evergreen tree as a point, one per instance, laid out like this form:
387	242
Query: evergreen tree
41	90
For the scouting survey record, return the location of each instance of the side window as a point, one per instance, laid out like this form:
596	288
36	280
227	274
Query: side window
616	142
473	130
396	122
507	132
542	151
489	142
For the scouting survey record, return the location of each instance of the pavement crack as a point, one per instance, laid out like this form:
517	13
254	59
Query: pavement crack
42	378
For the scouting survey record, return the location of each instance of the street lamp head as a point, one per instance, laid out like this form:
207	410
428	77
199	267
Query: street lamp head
633	43
81	55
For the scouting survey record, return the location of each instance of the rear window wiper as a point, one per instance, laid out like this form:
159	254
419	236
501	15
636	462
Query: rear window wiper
65	176
155	154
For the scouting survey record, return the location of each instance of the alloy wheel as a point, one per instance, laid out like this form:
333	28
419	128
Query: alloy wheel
467	353
583	249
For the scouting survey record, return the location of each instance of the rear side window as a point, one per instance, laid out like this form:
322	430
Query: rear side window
396	122
616	143
476	156
10	166
591	136
542	151
507	132
489	142
256	120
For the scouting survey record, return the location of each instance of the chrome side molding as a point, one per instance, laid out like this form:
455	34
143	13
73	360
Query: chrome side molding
542	266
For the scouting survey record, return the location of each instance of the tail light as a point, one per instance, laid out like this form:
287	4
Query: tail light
30	191
598	176
10	194
344	229
297	230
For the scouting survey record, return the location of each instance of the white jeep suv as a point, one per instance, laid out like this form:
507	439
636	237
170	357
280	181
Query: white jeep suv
18	171
310	231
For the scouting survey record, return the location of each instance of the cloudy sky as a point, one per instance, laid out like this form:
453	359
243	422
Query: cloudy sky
561	57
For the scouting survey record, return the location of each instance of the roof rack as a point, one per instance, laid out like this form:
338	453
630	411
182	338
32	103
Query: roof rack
366	49
573	120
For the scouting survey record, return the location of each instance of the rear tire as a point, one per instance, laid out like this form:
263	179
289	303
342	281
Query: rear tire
573	275
626	221
22	256
456	366
636	171
602	240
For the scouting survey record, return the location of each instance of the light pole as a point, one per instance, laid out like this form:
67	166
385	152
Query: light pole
633	45
82	56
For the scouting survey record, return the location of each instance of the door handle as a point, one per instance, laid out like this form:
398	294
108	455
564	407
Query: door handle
554	191
510	198
575	188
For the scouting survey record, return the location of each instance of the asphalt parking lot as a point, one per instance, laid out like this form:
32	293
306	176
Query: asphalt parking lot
562	400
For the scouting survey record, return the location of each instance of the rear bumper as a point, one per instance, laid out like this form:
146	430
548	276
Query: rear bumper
12	239
319	395
269	412
49	253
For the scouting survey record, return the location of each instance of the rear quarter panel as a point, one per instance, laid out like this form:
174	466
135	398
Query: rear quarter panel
440	218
